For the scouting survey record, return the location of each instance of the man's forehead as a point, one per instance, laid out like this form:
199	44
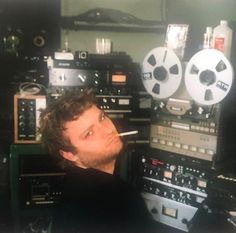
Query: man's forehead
90	112
86	119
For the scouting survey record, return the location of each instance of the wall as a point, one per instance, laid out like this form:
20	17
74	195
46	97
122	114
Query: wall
200	14
136	44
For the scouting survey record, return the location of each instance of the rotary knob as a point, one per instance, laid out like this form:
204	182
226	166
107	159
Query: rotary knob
172	167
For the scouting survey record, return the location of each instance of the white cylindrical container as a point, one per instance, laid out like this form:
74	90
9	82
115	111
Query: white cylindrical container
222	38
103	45
207	43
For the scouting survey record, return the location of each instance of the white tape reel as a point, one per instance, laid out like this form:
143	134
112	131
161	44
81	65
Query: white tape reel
208	77
162	72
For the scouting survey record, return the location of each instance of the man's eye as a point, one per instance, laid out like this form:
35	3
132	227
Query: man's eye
88	134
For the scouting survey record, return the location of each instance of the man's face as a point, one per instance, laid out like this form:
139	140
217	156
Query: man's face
95	138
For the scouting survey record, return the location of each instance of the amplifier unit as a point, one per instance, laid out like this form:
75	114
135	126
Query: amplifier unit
170	212
26	117
35	177
167	168
221	191
173	187
40	190
36	183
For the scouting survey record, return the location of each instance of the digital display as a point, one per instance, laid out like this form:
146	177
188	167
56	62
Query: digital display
123	101
119	78
168	174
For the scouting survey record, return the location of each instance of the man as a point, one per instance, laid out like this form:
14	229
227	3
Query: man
87	144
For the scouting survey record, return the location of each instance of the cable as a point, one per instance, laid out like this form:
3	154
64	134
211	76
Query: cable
29	88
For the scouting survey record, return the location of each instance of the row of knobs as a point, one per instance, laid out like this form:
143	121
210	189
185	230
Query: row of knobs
26	117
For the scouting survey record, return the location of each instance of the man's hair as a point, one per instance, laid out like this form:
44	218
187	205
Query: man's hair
52	121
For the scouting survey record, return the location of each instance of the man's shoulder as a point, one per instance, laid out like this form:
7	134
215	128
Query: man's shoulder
95	182
101	198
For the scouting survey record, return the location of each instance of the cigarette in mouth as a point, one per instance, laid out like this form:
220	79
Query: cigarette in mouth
127	133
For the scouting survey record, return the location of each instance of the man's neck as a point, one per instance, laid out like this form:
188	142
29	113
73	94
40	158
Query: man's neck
108	168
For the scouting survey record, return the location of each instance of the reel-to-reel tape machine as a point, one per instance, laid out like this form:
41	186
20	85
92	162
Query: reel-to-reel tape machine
192	129
208	76
187	97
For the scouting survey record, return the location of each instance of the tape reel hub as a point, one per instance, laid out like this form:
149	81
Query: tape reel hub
160	73
207	77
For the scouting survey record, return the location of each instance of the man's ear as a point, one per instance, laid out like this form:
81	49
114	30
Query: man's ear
71	157
68	155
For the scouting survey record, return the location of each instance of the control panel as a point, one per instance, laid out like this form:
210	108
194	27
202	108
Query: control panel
184	141
26	117
173	187
177	174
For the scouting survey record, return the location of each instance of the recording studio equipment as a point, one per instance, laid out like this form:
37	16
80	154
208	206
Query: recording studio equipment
35	177
195	139
82	59
115	104
162	74
110	76
81	55
25	32
113	87
26	117
187	114
65	73
221	191
212	81
36	184
167	167
29	32
172	188
188	125
12	41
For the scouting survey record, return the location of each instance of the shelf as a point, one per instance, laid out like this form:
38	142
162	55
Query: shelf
73	24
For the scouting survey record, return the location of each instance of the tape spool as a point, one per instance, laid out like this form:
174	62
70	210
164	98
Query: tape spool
208	77
162	72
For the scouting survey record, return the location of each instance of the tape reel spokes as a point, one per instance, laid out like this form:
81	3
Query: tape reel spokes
208	76
162	72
